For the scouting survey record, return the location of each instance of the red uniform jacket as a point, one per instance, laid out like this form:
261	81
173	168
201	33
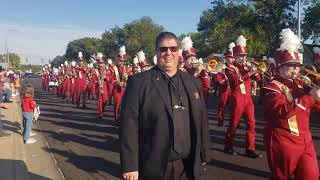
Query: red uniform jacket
288	114
239	79
222	81
205	81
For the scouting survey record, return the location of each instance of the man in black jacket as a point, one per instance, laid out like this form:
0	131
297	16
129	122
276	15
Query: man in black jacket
163	121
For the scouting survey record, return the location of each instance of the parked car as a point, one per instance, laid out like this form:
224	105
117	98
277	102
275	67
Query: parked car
30	75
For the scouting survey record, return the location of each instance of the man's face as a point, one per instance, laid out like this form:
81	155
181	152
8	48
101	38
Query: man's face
290	71
240	58
192	61
230	60
168	54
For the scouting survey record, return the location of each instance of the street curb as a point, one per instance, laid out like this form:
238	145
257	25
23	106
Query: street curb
52	156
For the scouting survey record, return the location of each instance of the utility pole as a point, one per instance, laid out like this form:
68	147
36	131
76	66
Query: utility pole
299	19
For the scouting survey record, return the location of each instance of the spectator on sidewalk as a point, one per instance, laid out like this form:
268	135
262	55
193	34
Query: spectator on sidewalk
3	132
28	105
5	90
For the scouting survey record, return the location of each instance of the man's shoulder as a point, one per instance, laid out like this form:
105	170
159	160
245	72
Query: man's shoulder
190	77
272	86
141	76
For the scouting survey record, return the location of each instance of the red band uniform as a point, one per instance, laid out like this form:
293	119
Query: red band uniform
241	103
287	103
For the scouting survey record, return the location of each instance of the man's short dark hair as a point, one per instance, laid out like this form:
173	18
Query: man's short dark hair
166	35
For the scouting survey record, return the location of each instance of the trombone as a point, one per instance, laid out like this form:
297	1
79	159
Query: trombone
263	67
307	80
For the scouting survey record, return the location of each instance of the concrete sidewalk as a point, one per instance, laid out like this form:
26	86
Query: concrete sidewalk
19	161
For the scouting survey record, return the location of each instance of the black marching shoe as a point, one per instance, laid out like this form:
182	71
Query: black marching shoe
229	151
253	154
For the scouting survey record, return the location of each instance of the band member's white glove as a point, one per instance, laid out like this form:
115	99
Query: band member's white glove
315	93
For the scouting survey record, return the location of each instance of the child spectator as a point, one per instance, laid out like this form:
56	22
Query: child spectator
28	105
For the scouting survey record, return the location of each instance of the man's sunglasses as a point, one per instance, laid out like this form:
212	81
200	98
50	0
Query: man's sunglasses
172	49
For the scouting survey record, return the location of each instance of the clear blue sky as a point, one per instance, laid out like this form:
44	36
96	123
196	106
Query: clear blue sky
38	29
176	15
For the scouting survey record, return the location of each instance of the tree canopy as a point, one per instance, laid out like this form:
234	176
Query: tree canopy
311	24
259	21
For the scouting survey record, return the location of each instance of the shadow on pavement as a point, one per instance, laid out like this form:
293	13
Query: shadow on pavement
90	163
17	169
238	168
12	126
108	143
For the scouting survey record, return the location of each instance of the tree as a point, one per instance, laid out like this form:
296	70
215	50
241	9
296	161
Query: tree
14	61
140	35
311	23
260	21
58	60
88	46
111	42
222	25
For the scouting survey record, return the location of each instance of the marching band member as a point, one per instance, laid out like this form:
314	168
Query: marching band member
92	80
48	77
60	76
222	82
316	60
54	79
135	66
81	83
239	76
102	86
111	78
287	103
189	55
272	69
121	76
73	75
143	62
66	81
315	66
43	77
181	64
205	80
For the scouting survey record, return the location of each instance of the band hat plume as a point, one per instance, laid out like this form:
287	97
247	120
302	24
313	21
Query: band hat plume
122	56
142	59
240	48
229	52
187	47
289	48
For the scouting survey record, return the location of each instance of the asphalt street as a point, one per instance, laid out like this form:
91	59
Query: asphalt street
87	148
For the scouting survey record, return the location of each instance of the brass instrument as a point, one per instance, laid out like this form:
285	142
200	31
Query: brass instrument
214	64
306	79
308	71
124	77
263	67
101	79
